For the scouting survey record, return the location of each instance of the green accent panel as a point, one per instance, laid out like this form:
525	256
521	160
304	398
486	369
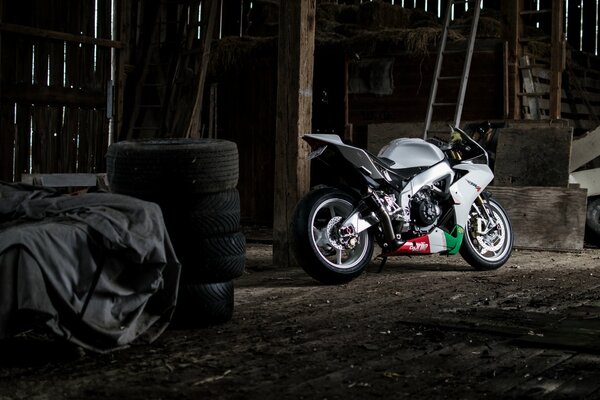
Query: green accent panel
454	239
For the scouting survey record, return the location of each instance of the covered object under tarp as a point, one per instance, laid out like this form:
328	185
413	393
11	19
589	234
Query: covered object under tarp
97	269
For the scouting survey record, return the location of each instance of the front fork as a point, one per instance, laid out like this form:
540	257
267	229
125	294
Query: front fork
485	220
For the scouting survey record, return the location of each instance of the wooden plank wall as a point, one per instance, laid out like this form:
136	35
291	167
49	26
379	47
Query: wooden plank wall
580	94
53	109
412	81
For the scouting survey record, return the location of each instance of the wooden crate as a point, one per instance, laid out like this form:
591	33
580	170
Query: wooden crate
533	156
545	218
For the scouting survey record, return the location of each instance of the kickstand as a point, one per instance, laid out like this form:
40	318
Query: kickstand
383	260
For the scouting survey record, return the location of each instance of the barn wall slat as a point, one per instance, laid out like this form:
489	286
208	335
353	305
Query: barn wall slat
588	34
545	19
38	139
8	49
22	147
82	139
40	88
409	3
598	32
573	24
251	124
433	7
68	145
7	137
23	68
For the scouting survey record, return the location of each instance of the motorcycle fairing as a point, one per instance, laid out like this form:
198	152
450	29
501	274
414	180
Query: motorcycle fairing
466	189
437	241
359	157
440	171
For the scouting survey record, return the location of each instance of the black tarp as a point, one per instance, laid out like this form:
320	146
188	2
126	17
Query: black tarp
97	269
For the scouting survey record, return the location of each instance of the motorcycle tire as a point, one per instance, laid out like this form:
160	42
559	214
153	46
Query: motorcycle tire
491	250
203	305
313	242
152	168
204	215
592	219
211	259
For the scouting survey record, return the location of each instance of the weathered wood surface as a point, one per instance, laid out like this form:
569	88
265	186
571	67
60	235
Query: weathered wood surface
294	114
56	65
533	157
556	58
65	180
549	218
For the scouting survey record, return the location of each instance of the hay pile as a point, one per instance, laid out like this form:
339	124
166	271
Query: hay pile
376	26
367	29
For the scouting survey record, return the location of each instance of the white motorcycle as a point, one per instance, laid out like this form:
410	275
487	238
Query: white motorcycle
415	197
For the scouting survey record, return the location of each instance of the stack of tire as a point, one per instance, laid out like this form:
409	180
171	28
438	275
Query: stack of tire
194	181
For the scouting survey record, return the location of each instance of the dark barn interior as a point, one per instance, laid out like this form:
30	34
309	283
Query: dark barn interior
85	83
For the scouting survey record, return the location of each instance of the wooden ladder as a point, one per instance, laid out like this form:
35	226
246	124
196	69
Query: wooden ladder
168	94
463	78
150	88
533	94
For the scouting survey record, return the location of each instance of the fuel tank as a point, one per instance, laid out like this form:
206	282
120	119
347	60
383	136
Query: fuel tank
411	153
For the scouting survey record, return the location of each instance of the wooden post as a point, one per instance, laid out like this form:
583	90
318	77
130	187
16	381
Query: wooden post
556	59
294	114
123	12
511	12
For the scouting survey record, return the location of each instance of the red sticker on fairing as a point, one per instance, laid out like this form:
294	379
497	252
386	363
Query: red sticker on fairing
419	245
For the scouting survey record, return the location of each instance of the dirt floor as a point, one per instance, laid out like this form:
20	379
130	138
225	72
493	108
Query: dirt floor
423	328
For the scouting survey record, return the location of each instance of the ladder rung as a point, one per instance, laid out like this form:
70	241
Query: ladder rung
449	78
533	66
534	94
531	39
443	104
532	12
458	51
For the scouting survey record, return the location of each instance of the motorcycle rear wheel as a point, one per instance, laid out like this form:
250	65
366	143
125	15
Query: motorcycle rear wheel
492	249
315	243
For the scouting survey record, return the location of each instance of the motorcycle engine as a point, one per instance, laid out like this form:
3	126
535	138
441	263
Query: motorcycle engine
424	210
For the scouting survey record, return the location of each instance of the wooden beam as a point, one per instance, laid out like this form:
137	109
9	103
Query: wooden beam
122	11
556	59
294	114
57	95
511	11
68	37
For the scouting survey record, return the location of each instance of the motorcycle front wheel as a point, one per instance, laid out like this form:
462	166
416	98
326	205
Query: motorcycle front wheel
487	244
316	241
